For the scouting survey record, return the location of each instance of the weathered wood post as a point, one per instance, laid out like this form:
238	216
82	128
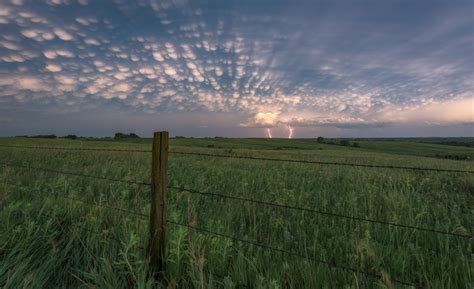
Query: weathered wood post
156	246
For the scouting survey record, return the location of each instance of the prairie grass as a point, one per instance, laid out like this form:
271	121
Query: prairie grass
51	237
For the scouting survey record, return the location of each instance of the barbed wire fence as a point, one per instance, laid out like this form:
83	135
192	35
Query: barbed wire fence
159	187
249	158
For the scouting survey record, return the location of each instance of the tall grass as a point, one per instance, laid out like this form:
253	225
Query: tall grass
50	239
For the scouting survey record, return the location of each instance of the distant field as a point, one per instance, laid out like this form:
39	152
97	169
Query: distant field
49	241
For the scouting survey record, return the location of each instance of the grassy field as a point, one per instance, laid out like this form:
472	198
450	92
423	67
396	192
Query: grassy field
51	237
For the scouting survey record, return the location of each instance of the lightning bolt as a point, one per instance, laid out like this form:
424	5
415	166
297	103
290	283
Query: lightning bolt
269	133
290	132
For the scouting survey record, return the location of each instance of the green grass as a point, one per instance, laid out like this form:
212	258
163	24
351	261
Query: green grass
417	149
49	240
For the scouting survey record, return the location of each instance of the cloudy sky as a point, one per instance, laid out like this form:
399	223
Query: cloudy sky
237	68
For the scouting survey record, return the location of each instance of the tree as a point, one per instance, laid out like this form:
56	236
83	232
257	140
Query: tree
320	139
120	135
45	136
345	143
71	136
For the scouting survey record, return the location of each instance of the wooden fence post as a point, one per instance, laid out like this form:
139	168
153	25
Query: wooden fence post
159	183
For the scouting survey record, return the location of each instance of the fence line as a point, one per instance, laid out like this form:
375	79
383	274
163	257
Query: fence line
330	264
324	162
320	212
251	158
143	216
159	187
331	214
74	174
74	149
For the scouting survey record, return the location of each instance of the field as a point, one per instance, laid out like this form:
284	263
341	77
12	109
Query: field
52	237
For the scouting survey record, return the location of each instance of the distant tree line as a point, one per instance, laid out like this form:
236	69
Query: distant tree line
39	136
342	142
458	143
120	135
117	135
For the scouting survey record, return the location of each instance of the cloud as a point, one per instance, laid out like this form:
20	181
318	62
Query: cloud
122	87
438	112
158	57
66	80
65	53
30	83
270	70
62	34
266	118
10	45
4	11
52	54
219	71
170	70
171	51
53	67
29	33
86	21
91	41
13	58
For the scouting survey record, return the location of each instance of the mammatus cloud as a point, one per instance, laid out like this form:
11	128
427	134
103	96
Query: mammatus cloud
274	68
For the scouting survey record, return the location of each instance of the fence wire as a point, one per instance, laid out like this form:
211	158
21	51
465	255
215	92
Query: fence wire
250	158
330	264
324	163
75	149
331	214
390	224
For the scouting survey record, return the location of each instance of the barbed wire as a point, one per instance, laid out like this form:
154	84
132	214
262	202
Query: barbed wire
324	162
331	264
74	174
141	215
75	149
331	214
258	202
251	158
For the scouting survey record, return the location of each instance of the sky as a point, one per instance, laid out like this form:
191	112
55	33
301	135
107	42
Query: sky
259	68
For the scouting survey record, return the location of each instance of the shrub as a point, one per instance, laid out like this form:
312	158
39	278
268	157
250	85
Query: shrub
71	136
345	143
